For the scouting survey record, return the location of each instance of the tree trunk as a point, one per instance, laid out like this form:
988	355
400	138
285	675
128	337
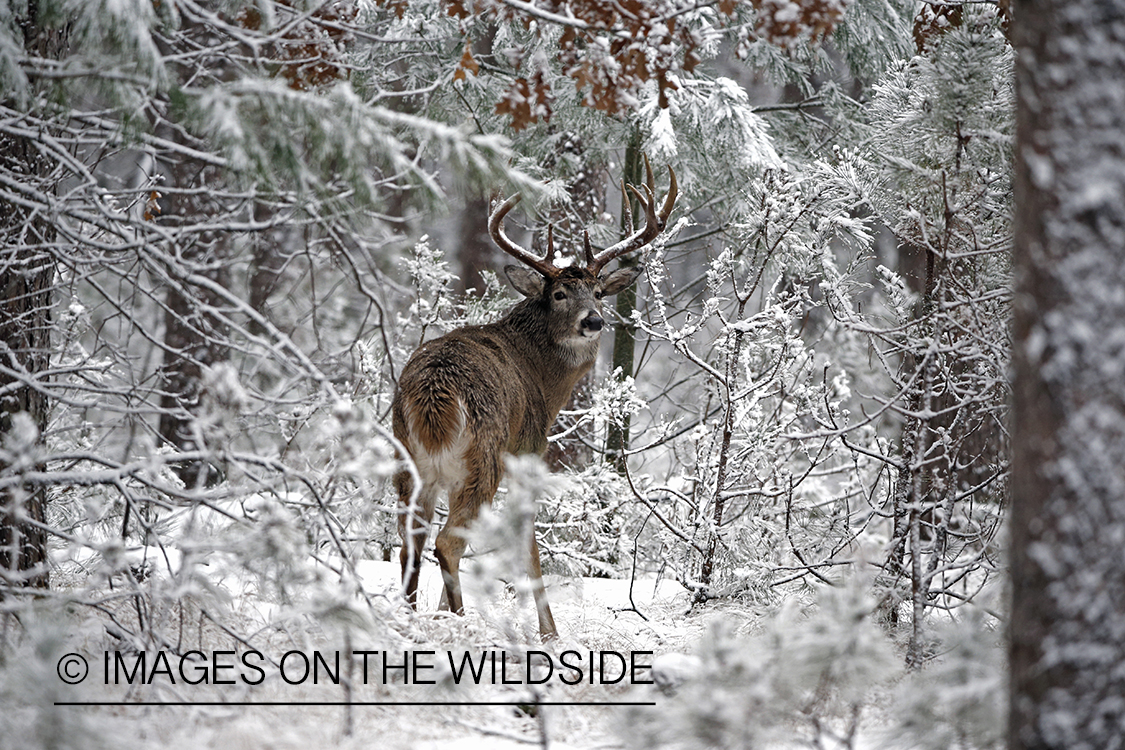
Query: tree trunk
27	275
26	285
624	334
195	336
1068	492
475	252
192	337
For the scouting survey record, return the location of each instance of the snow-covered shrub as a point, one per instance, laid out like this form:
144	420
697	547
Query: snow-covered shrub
807	677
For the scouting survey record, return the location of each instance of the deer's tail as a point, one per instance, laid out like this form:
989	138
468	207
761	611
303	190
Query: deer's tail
436	418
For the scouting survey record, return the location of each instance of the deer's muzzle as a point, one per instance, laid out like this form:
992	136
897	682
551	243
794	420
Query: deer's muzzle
592	322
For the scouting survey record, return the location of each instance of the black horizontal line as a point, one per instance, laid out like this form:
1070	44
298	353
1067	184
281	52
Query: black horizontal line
355	703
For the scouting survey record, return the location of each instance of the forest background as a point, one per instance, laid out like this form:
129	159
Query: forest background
226	225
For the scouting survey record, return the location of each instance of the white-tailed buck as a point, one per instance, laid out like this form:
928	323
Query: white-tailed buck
480	392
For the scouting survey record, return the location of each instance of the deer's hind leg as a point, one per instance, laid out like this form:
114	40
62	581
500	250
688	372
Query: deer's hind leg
413	528
482	477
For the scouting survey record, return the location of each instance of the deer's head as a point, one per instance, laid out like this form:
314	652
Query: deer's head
573	295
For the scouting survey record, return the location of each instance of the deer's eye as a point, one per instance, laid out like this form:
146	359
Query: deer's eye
560	295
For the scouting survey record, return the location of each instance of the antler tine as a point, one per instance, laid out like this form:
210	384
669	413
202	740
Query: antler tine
549	258
587	247
543	265
649	180
653	225
670	199
654	221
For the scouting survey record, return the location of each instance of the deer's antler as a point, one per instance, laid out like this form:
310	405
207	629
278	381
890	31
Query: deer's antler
544	265
653	226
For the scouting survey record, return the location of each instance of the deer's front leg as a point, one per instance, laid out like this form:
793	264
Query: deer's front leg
547	629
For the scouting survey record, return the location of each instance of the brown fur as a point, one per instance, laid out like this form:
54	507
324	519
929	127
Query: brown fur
480	392
512	378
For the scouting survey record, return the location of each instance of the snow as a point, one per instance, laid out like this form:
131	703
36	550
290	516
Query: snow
594	615
580	595
742	675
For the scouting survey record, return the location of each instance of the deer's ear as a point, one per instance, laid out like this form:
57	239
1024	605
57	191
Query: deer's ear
527	282
620	279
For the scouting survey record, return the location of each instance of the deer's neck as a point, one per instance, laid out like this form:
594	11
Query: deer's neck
555	364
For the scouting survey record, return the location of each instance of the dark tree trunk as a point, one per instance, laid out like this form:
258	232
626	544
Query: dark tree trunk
624	334
195	335
27	276
1068	491
475	252
26	285
271	250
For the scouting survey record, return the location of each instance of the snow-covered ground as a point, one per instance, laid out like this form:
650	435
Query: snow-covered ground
598	620
635	666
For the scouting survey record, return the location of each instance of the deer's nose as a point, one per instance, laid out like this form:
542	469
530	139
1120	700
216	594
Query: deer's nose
593	322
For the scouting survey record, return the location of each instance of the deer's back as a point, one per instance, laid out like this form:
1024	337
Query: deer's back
469	383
